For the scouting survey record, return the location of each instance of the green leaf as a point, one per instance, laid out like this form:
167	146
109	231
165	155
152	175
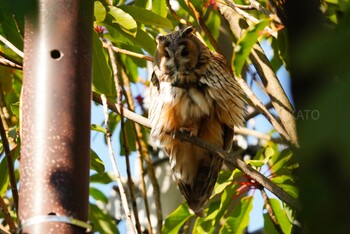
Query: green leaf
269	227
8	24
4	176
105	178
98	195
280	215
131	139
176	219
103	223
15	108
99	11
281	162
122	18
147	17
116	34
98	128
102	81
159	7
96	163
282	179
245	45
239	218
290	189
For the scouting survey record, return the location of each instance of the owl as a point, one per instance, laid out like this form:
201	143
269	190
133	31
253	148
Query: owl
193	90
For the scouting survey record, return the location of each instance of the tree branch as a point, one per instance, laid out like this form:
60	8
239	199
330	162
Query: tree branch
228	157
130	181
11	46
7	216
10	165
270	211
114	165
272	86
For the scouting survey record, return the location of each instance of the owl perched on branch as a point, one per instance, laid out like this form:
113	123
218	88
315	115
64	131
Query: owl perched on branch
193	90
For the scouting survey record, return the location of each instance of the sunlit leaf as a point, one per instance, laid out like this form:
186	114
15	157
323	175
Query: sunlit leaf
98	195
103	223
99	11
159	7
280	215
176	219
105	178
102	81
98	128
116	34
96	163
239	218
122	18
4	176
245	45
15	108
147	17
290	189
282	179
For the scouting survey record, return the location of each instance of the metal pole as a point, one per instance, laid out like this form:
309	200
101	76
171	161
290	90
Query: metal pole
55	117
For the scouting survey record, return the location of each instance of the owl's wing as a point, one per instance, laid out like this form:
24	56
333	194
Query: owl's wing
224	89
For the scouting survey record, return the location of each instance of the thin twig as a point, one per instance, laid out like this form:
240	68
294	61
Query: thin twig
272	85
115	167
203	26
229	157
257	112
9	62
251	132
7	216
248	16
128	52
173	13
140	149
11	46
270	211
256	103
124	135
5	145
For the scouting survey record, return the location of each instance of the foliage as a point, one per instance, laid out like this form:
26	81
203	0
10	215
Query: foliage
132	26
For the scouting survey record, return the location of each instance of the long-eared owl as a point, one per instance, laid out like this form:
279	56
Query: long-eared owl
193	90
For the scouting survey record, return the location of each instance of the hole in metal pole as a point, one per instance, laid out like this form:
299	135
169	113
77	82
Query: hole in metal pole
56	54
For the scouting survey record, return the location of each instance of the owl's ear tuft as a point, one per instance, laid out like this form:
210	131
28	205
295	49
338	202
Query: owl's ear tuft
160	38
188	31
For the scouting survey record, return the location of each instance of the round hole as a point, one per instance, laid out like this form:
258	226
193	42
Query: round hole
55	54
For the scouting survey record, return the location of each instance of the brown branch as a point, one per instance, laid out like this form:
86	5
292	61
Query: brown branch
124	135
228	157
272	86
204	27
270	211
256	103
251	132
10	164
128	52
257	112
7	216
173	13
142	152
11	46
9	62
246	15
123	196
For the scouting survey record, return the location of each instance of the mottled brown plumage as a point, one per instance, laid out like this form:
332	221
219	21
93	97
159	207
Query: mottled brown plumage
193	89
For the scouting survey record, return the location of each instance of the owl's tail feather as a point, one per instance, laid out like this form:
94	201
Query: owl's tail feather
205	179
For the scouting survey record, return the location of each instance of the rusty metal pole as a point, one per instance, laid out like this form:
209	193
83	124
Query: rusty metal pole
55	117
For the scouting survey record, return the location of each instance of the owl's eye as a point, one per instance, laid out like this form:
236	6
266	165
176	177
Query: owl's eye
185	52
